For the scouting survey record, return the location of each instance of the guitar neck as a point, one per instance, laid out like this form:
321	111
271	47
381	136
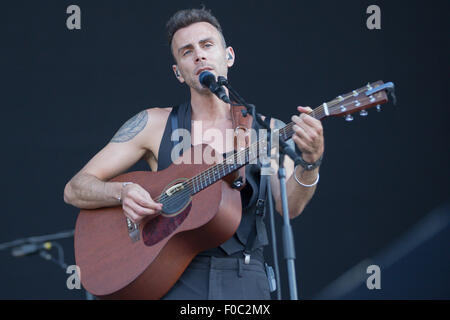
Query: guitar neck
235	161
318	113
357	100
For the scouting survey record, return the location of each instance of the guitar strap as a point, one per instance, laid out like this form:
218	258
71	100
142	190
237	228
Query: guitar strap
260	208
241	126
174	122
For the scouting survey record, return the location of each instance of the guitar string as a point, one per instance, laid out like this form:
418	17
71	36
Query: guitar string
207	173
286	128
189	184
319	109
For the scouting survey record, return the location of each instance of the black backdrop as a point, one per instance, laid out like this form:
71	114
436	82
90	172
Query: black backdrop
65	93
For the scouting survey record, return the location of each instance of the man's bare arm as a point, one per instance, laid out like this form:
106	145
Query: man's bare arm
298	196
86	191
90	189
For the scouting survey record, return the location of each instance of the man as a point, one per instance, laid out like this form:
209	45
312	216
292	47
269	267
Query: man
197	44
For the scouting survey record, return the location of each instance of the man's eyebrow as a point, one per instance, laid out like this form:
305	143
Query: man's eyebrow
206	40
184	47
190	45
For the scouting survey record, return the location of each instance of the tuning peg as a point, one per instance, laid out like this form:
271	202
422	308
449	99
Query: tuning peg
348	118
378	107
363	113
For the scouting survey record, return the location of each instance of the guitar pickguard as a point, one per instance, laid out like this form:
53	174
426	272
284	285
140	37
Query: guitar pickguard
159	228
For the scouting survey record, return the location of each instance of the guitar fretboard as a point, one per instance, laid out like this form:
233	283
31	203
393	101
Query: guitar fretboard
244	157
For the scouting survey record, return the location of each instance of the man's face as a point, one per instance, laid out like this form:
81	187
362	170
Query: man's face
197	48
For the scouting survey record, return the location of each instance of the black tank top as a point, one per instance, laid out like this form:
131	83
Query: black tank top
182	115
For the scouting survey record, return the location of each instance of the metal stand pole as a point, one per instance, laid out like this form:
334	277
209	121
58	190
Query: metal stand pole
288	238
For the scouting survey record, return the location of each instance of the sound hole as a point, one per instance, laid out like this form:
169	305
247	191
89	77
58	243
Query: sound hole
175	203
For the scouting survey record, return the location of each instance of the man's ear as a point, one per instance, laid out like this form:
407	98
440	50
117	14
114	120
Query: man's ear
230	57
177	73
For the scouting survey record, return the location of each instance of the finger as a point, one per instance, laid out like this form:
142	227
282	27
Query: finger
311	126
147	200
311	121
148	197
304	109
312	150
302	145
143	202
131	215
298	120
142	211
307	131
150	204
301	133
312	132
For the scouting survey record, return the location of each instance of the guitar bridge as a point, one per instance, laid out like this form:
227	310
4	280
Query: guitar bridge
175	188
133	230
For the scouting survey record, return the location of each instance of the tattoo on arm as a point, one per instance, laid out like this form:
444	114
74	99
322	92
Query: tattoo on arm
131	128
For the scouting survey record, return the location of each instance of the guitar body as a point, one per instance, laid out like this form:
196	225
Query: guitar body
113	266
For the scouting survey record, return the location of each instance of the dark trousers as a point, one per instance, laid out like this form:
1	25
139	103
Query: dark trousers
211	278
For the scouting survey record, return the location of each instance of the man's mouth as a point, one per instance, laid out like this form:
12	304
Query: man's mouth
203	69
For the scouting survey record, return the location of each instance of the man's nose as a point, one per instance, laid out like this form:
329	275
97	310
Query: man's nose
200	55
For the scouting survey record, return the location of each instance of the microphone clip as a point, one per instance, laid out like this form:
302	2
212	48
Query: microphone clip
222	81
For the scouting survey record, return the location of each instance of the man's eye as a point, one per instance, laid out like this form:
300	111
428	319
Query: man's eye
186	52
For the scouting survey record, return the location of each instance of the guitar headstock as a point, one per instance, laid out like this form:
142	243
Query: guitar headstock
373	94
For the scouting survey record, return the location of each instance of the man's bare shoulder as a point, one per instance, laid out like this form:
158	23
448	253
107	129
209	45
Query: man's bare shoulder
143	123
159	111
157	117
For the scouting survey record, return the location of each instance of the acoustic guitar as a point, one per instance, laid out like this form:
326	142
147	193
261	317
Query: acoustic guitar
122	260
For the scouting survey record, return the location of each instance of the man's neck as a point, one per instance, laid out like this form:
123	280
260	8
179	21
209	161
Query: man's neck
207	107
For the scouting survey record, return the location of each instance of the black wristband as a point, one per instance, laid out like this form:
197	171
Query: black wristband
306	165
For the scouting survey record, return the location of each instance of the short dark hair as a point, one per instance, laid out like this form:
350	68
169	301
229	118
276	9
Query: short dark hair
185	18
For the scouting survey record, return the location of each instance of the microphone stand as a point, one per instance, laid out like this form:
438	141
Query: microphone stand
288	238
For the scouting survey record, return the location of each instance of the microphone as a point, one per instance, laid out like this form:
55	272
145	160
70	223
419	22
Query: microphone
30	248
208	80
